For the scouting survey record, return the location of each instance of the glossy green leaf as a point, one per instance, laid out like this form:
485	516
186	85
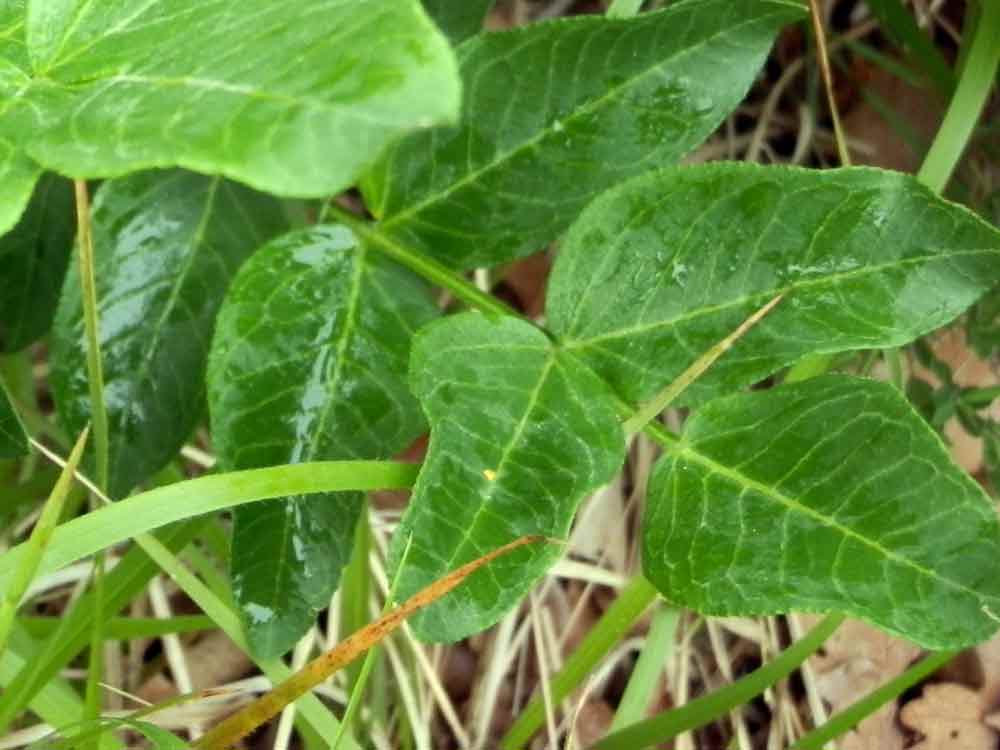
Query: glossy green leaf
865	258
520	433
309	363
33	260
829	495
17	172
556	112
13	440
166	246
294	103
459	19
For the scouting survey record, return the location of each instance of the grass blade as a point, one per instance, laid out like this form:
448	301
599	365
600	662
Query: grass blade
703	710
230	731
34	549
144	512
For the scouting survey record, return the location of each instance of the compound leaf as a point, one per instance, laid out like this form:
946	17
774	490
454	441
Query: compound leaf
520	433
293	103
865	259
33	259
166	246
309	363
459	19
826	495
606	99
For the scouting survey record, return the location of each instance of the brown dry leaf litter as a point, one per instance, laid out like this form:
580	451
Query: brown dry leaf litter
855	661
949	717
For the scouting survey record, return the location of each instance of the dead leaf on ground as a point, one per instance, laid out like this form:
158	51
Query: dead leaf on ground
855	661
950	717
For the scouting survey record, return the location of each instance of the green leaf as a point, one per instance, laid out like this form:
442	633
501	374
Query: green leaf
17	172
829	495
520	433
166	244
605	99
292	103
33	260
309	363
13	439
459	19
865	259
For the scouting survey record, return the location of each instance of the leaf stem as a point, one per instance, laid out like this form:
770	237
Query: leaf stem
850	717
91	324
702	710
429	269
967	103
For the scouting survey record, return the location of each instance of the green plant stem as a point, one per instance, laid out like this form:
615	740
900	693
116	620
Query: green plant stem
99	420
93	694
91	325
150	510
703	710
967	103
354	592
645	677
360	682
853	715
429	269
631	602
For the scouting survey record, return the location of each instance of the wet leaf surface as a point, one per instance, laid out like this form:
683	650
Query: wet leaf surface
166	246
605	100
309	363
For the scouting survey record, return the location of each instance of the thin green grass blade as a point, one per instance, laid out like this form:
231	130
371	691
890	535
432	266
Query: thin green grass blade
359	685
310	709
354	591
850	717
57	699
701	711
128	578
127	628
632	601
144	512
34	549
646	675
967	104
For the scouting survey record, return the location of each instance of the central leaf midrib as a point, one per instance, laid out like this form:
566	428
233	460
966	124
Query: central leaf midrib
286	527
687	450
543	133
350	321
487	497
179	281
571	342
